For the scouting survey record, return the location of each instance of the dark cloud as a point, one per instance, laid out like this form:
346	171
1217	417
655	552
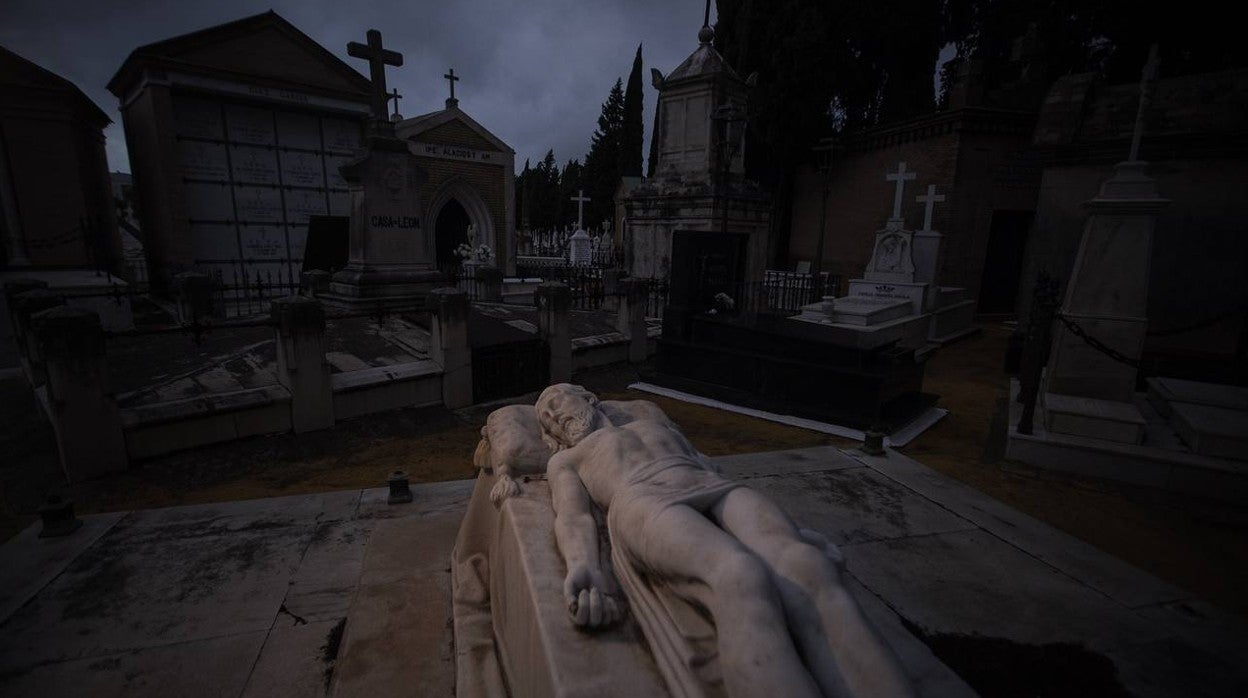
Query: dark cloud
535	72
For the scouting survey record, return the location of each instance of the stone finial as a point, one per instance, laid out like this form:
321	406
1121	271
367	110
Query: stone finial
297	314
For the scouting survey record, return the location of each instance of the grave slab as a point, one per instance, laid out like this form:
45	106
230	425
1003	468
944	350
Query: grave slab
1212	431
1162	391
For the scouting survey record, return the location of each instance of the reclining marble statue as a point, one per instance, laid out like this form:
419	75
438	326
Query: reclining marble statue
683	536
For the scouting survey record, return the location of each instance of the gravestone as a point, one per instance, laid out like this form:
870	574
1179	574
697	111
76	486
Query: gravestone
390	257
1088	391
891	271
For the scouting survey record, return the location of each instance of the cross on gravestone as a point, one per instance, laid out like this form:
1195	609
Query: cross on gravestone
394	94
451	79
929	202
580	200
900	177
378	58
1147	76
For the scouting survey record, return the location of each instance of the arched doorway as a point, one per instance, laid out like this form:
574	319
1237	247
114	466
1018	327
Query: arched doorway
450	231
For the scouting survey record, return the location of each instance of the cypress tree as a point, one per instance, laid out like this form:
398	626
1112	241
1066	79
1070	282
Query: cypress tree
634	134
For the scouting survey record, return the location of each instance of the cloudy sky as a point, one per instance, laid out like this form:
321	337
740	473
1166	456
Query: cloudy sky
535	72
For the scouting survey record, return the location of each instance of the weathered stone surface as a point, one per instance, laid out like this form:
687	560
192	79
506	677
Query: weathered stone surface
857	505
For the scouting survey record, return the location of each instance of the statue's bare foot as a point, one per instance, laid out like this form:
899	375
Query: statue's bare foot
504	488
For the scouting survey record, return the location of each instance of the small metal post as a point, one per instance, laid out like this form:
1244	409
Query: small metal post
400	491
58	517
873	443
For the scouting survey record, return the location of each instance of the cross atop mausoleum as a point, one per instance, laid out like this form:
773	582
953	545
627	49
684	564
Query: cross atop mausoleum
394	94
378	58
900	177
451	79
929	202
580	200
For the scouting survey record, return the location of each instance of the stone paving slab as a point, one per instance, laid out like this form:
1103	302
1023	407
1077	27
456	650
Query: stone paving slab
28	562
209	668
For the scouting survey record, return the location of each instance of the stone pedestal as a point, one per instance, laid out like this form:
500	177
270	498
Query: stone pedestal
24	306
194	296
1107	299
630	318
448	344
84	415
301	365
611	288
554	303
391	255
490	280
580	249
314	283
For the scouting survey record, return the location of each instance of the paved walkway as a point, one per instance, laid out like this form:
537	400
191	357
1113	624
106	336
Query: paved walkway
311	594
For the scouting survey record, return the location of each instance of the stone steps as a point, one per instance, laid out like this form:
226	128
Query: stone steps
1093	418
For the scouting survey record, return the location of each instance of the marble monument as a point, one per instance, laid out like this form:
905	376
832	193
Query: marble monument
668	576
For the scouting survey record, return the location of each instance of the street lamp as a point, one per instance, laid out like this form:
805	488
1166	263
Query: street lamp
823	162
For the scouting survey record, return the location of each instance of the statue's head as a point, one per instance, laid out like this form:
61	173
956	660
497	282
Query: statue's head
568	413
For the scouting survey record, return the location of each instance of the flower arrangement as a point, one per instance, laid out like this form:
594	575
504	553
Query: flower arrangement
481	254
723	303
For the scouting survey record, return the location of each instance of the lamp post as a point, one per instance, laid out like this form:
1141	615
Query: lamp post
729	120
823	161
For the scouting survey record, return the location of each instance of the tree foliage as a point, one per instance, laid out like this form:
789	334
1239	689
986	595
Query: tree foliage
633	136
602	163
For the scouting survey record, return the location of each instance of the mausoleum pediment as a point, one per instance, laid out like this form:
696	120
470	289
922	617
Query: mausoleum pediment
450	127
262	46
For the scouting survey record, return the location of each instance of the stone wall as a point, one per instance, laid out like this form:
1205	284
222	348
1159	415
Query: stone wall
977	158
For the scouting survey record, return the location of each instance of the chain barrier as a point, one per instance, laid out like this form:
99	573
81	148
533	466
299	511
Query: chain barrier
1097	344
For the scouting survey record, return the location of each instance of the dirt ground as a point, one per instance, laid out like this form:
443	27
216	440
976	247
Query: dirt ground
1195	544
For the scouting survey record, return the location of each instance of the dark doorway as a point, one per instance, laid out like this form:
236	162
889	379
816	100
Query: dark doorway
1003	261
450	231
327	243
704	264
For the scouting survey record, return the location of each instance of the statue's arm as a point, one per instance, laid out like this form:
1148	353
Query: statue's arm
585	588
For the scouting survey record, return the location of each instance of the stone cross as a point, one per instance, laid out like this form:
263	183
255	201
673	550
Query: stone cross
1147	77
451	79
580	200
900	177
394	94
929	202
378	58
